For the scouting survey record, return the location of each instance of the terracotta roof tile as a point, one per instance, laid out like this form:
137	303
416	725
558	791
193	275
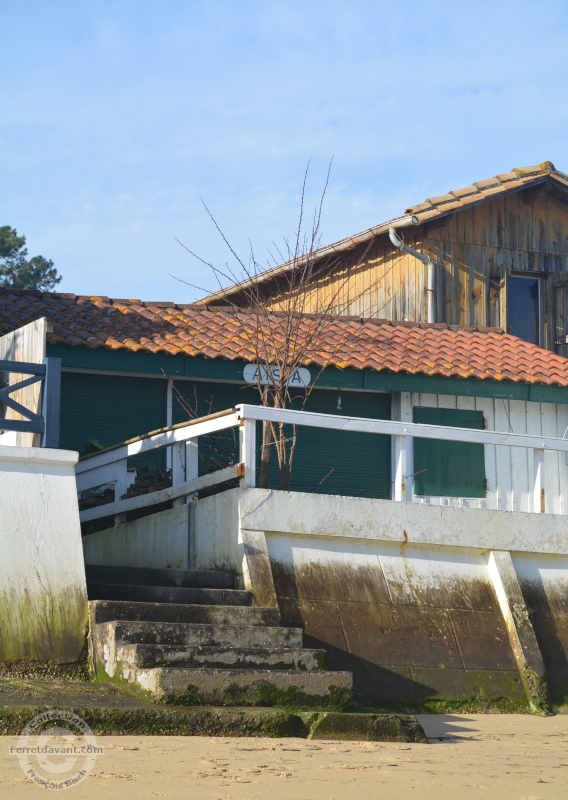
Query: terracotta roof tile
427	349
443	198
465	192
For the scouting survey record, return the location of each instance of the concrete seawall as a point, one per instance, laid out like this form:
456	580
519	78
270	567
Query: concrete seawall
419	602
43	592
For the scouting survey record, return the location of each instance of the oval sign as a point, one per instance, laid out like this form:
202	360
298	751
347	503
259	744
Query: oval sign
269	374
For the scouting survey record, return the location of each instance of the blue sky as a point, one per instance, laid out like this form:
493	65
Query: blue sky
117	117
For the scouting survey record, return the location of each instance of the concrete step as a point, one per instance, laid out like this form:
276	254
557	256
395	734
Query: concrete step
110	635
270	658
238	686
168	594
109	610
151	576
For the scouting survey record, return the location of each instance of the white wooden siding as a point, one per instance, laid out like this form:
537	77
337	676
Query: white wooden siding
509	470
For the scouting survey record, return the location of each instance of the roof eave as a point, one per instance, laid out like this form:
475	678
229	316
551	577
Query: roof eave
408	220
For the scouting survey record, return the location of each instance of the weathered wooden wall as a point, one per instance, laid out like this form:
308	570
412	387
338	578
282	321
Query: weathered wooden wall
474	250
381	283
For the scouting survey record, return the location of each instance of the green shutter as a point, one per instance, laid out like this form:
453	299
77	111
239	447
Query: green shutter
358	464
449	469
110	409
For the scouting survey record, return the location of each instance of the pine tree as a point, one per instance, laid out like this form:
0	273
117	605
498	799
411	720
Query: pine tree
16	271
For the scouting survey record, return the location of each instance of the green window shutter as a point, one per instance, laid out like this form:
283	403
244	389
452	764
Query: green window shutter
356	464
110	409
341	462
449	469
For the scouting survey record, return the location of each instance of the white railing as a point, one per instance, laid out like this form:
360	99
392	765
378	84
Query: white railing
110	466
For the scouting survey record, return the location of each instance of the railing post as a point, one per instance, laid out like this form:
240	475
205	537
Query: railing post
191	472
247	434
120	486
538	482
178	467
400	470
191	463
170	451
51	402
403	451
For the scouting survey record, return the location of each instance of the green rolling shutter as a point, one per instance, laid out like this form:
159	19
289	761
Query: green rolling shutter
356	464
449	469
110	409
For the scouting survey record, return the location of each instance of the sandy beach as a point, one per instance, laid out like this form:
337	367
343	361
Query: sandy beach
504	756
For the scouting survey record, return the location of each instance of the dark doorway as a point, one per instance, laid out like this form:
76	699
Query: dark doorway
523	319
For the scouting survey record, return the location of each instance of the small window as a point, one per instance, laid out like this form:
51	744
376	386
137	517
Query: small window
449	469
523	318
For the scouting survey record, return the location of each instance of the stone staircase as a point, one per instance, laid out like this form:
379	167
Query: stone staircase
189	636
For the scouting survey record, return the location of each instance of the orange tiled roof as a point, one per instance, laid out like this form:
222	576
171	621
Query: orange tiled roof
458	199
228	333
455	200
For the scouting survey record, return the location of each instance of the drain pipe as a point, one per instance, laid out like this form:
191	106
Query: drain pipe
398	243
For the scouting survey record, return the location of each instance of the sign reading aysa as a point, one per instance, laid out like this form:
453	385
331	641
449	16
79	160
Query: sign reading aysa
269	374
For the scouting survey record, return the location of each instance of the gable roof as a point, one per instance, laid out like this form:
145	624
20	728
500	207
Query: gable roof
223	332
431	208
506	183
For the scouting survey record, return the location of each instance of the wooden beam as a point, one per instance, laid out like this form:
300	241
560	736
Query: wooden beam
533	194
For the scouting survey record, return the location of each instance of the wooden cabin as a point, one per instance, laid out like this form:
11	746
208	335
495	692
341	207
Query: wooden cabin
130	367
498	251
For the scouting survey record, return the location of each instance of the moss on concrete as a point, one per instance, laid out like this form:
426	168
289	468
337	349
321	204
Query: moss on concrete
460	705
336	698
42	629
28	667
364	727
320	658
558	685
212	721
110	709
536	688
174	722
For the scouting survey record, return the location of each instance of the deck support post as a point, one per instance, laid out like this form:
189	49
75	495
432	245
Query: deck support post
247	433
519	628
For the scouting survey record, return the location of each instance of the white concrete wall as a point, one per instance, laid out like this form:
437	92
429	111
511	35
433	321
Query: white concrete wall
217	532
509	470
164	539
159	540
445	601
402	523
43	595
